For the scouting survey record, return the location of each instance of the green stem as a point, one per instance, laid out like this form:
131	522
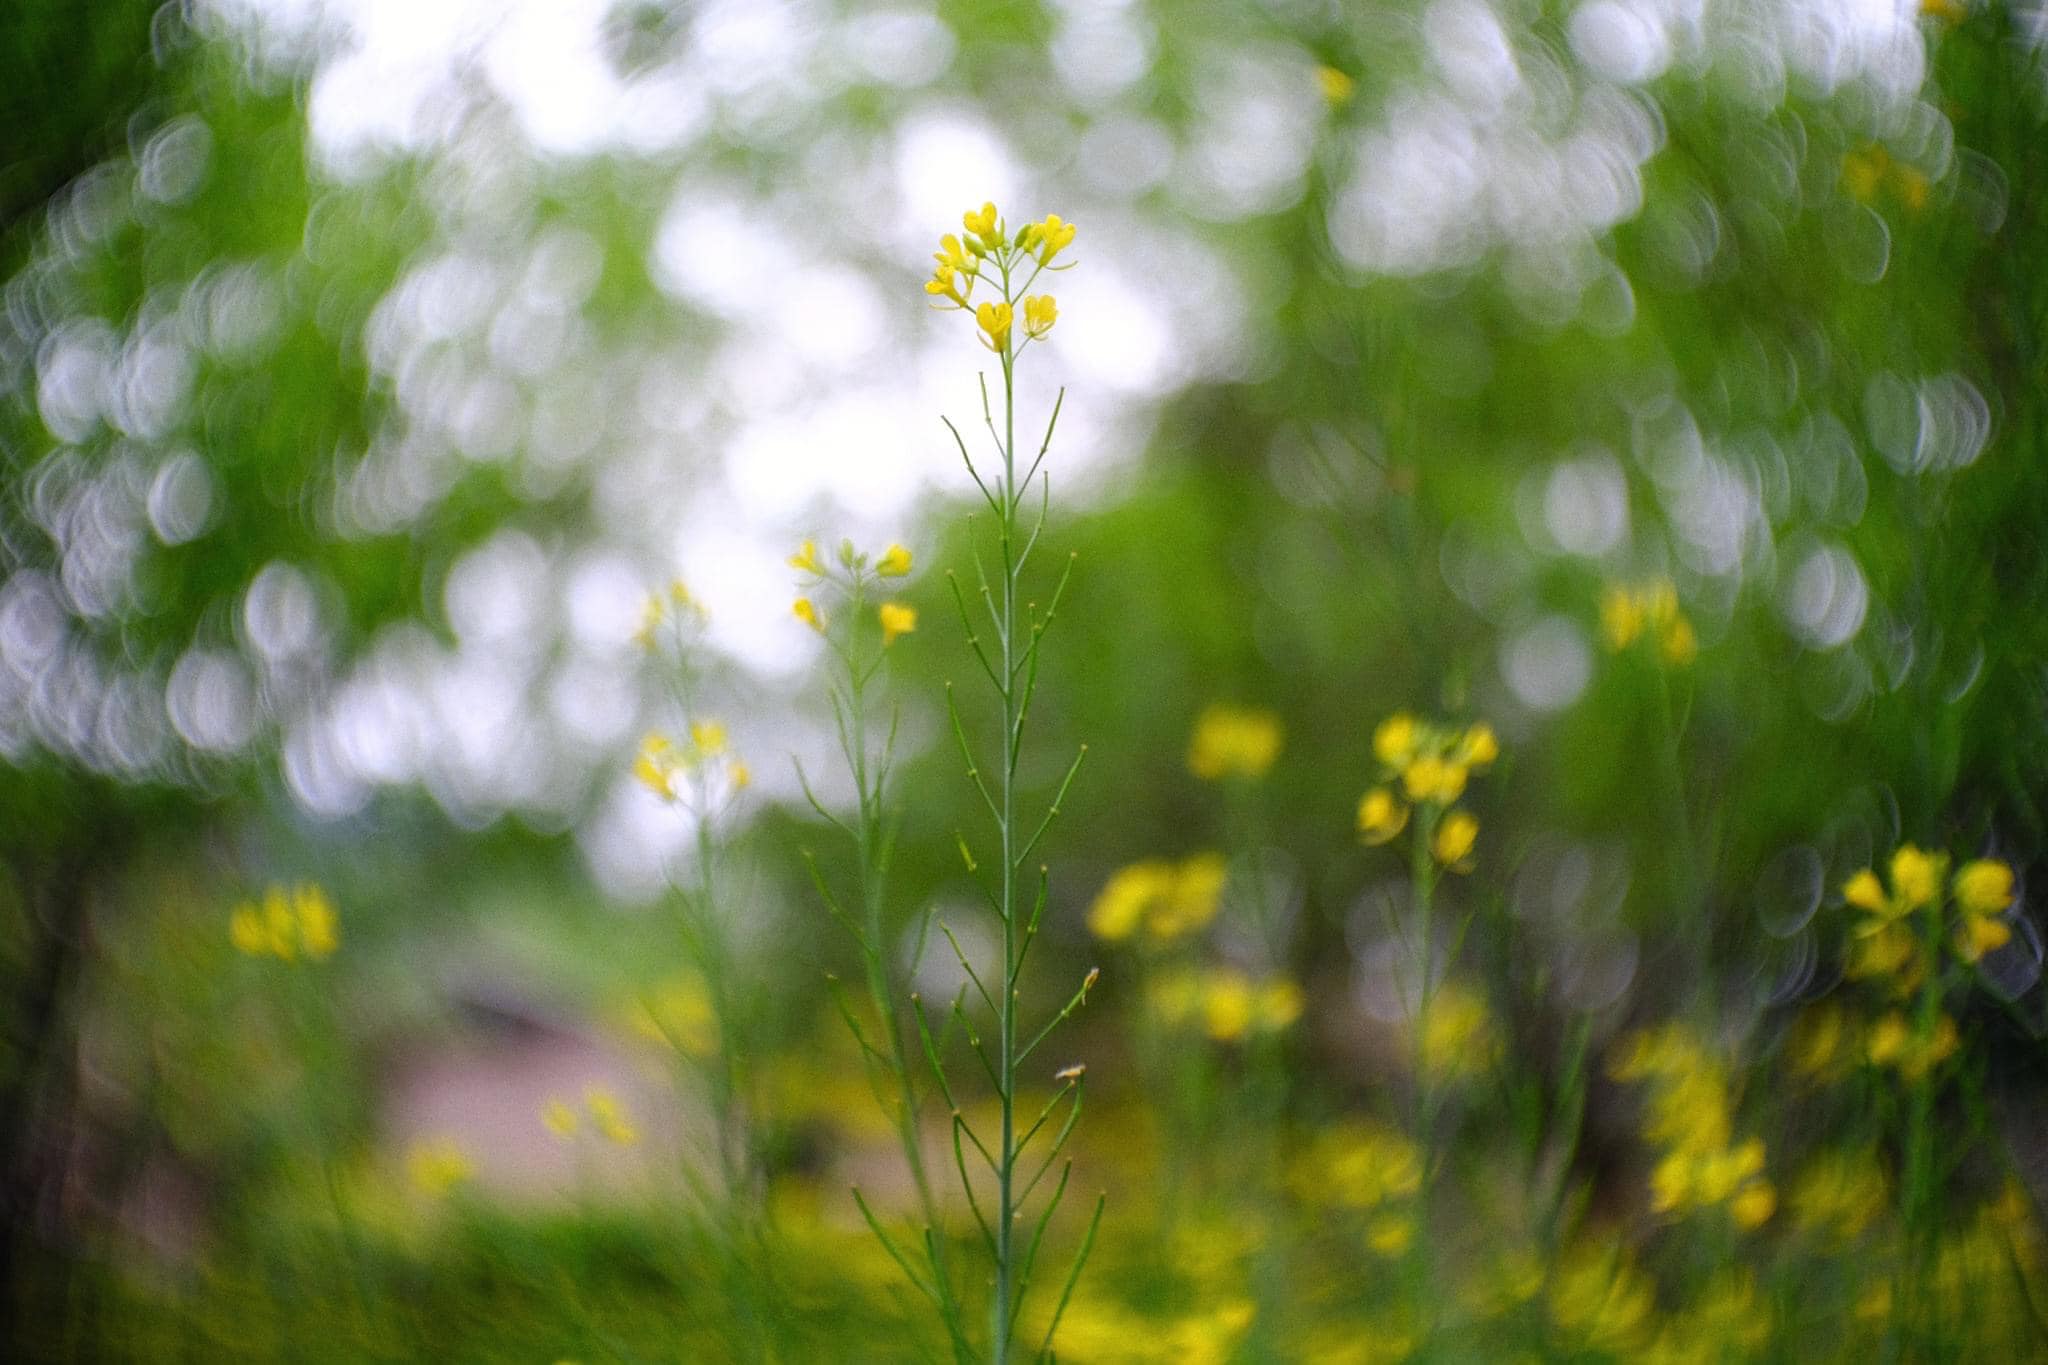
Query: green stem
1006	1061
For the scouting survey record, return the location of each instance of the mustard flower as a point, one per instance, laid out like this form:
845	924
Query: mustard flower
1916	876
1048	239
1983	886
983	226
1227	1006
1394	742
1430	778
280	924
1478	748
953	256
1380	816
894	563
897	619
708	736
317	936
247	933
439	1165
806	560
807	612
1233	741
560	1119
654	766
1040	313
994	321
944	284
609	1118
1454	840
1336	87
740	775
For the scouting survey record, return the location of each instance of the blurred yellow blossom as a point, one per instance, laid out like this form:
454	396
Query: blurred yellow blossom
438	1165
806	560
807	612
894	563
1431	778
1898	1044
609	1117
559	1118
897	619
1380	816
1458	1038
1167	900
1454	841
1234	741
286	924
1632	612
1336	87
1393	743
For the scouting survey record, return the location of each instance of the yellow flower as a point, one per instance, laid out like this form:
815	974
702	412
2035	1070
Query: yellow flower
1678	644
1337	87
1863	171
708	736
652	614
1233	741
740	775
1457	1033
1120	908
280	923
1380	816
1916	877
1190	900
806	560
1754	1204
1393	743
994	321
560	1119
897	619
1227	1006
438	1165
1455	837
894	563
1390	1234
246	931
609	1118
1040	313
1430	778
1893	1043
955	257
316	922
1983	887
944	284
1278	1005
1048	239
983	224
1981	934
1621	617
806	612
654	767
1866	892
1478	749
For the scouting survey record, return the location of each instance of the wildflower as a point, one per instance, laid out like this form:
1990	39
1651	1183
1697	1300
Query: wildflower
316	922
994	321
1336	87
609	1118
806	612
897	619
1120	907
806	560
1227	1009
280	924
1678	644
708	736
1380	816
439	1165
1430	778
1454	840
1895	1043
652	615
1040	313
246	931
1277	1005
740	775
944	284
1754	1204
1916	877
1478	748
1394	742
1983	886
654	767
1390	1234
894	563
1047	239
1621	617
1232	741
1863	171
1457	1033
983	226
560	1119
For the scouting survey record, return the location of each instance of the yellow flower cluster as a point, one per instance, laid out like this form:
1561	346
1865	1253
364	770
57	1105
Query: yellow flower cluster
1883	943
1363	1166
896	619
662	763
989	251
1167	900
1727	1321
677	1012
1689	1116
1230	1005
1648	611
438	1165
287	925
677	605
1838	1195
1458	1037
607	1116
1233	741
1426	765
1601	1301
